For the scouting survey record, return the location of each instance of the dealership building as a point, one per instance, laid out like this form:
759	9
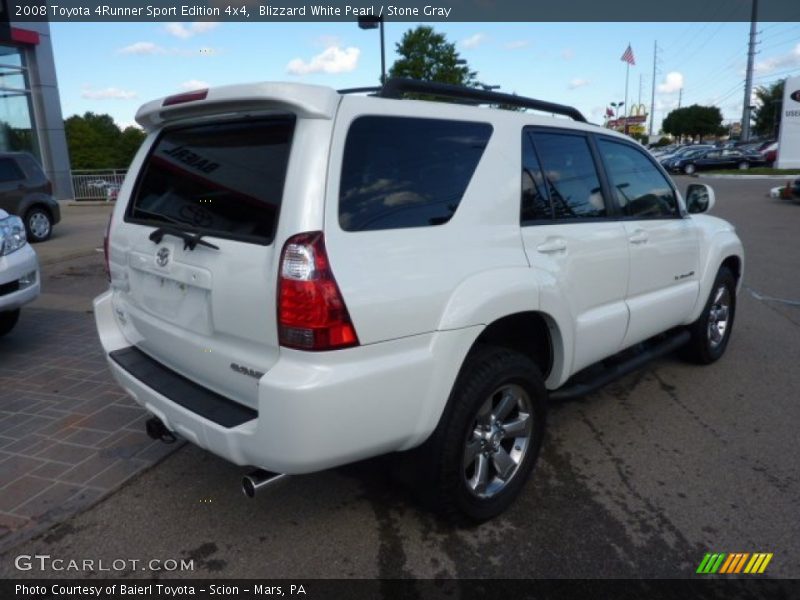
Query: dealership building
30	108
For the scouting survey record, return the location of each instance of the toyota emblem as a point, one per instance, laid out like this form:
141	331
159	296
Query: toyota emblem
162	258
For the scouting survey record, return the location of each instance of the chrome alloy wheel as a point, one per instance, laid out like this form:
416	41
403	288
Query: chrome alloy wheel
719	316
497	444
39	224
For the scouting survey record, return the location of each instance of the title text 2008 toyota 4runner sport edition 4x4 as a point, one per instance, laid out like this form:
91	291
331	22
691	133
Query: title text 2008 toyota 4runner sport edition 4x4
302	278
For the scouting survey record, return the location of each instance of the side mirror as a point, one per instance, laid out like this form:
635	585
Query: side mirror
699	198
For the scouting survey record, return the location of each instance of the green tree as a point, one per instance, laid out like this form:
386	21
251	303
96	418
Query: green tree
129	141
695	121
428	56
96	142
767	114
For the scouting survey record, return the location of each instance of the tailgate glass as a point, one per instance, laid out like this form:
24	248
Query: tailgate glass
222	179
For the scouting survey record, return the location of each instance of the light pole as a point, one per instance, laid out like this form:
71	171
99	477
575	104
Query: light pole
373	22
617	106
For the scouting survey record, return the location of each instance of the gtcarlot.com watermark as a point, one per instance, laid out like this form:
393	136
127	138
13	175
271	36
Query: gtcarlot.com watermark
45	562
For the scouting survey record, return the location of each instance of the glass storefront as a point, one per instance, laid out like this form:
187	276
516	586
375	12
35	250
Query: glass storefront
17	133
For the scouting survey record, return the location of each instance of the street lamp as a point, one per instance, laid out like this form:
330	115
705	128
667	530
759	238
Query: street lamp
617	106
373	22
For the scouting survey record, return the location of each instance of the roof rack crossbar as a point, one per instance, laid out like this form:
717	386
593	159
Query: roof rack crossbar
397	86
361	90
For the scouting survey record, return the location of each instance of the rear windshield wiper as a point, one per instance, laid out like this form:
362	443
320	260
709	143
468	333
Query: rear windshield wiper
190	241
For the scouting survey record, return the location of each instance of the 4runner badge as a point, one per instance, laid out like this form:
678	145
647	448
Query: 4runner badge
162	257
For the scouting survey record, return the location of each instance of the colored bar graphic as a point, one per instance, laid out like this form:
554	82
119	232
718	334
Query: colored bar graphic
728	563
734	563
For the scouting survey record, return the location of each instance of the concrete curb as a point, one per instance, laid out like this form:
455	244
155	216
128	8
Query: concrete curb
90	203
767	177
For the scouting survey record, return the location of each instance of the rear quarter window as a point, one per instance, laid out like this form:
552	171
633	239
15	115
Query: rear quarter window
400	172
222	179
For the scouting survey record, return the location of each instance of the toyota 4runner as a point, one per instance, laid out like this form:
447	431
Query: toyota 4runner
302	278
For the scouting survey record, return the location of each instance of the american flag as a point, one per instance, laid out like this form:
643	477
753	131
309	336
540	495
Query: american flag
628	56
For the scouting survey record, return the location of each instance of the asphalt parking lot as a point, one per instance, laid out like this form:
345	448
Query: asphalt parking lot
638	480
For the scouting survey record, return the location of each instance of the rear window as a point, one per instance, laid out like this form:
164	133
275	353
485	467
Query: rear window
403	172
224	180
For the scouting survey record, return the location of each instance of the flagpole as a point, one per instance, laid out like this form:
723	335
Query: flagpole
625	104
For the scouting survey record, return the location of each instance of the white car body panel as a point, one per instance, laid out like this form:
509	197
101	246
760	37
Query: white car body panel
13	267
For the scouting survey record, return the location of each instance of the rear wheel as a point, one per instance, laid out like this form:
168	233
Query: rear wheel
689	169
488	440
7	321
743	166
712	330
38	224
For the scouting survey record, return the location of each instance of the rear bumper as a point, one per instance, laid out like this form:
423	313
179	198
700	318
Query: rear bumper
318	410
12	268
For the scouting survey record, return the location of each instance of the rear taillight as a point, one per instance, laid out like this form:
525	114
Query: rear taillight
106	242
311	311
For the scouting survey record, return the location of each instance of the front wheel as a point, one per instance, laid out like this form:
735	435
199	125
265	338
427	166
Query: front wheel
489	437
689	169
7	321
712	330
38	224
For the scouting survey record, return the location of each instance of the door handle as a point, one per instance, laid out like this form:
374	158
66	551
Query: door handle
638	237
552	245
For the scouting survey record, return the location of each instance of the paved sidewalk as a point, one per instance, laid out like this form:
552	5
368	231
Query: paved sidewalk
68	433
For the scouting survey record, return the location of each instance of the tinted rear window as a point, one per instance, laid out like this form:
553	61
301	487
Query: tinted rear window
403	172
224	179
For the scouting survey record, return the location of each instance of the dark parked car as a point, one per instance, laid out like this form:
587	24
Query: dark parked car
26	192
717	159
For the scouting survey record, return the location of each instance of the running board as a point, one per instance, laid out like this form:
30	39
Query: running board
571	391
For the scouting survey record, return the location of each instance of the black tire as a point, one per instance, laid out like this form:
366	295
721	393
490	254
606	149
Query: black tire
703	348
38	224
7	321
488	374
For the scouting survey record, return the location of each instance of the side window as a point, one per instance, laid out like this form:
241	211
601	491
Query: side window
640	188
9	171
404	172
535	203
570	175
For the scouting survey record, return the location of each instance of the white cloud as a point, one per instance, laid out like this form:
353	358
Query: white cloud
184	32
516	44
142	48
568	54
784	61
331	60
109	93
474	41
578	82
673	82
193	84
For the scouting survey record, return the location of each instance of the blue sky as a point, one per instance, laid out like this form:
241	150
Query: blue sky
115	67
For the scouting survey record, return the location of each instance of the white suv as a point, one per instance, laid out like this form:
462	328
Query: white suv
302	278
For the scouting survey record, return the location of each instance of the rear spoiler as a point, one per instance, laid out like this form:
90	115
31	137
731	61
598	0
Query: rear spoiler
308	101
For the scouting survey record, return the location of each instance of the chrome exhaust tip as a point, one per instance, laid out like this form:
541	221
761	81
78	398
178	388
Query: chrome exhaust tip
258	480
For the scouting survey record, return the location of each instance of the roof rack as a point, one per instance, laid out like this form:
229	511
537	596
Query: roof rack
360	90
397	86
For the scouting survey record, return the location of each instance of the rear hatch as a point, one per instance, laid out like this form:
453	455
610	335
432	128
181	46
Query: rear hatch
194	253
